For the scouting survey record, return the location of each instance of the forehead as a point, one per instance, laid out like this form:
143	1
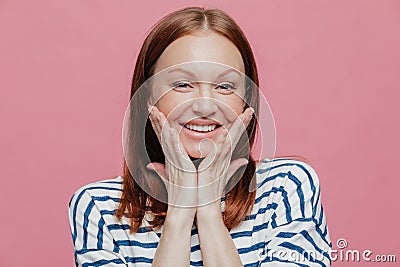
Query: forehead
204	46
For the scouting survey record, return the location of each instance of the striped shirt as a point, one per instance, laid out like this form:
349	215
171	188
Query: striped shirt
287	226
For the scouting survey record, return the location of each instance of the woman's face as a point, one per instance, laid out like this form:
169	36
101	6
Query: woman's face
200	100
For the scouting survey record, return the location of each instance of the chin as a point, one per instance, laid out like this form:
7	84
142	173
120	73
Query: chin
194	154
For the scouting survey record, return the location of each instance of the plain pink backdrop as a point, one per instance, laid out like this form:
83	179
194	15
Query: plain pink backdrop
330	70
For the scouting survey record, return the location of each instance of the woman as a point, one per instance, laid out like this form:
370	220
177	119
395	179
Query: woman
208	218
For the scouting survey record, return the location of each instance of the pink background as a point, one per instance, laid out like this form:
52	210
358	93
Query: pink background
330	70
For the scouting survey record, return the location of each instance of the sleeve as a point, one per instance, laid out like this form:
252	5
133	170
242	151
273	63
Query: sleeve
92	240
298	233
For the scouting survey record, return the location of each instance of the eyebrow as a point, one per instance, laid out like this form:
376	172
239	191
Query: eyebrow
193	75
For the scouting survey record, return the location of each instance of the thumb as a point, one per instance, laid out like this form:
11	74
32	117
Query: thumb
235	165
157	167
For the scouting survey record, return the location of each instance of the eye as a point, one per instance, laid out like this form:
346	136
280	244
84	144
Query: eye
226	87
182	86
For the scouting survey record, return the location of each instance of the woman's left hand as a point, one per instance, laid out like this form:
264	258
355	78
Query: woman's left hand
217	168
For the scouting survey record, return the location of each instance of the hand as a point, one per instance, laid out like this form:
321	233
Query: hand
179	173
217	168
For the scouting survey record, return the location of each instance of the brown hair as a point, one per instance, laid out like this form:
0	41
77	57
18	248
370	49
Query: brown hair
134	200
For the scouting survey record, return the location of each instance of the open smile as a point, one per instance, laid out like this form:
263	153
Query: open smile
201	128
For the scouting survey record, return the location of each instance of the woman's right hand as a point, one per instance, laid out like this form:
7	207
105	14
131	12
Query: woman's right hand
179	173
180	179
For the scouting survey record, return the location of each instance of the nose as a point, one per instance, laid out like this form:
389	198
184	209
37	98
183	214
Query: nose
204	104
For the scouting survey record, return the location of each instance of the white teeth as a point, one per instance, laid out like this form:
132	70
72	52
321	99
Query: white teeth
199	128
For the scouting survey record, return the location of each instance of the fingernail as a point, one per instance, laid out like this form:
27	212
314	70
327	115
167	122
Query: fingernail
252	110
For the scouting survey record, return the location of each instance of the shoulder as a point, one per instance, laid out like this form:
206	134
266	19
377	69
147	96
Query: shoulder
105	191
286	171
293	180
91	209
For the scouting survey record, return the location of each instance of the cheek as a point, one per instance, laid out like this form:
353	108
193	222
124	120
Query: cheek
235	106
168	102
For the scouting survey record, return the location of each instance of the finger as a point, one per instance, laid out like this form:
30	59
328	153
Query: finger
223	143
217	154
234	166
157	120
163	122
226	145
213	154
166	137
155	128
229	136
177	145
154	123
221	138
159	168
239	127
172	142
161	126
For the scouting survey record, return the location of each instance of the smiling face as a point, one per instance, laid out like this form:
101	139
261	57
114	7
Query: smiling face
199	99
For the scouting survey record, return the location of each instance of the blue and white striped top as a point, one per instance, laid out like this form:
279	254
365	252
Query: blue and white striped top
287	226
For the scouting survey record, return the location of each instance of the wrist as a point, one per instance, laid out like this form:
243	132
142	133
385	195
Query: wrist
209	212
180	216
